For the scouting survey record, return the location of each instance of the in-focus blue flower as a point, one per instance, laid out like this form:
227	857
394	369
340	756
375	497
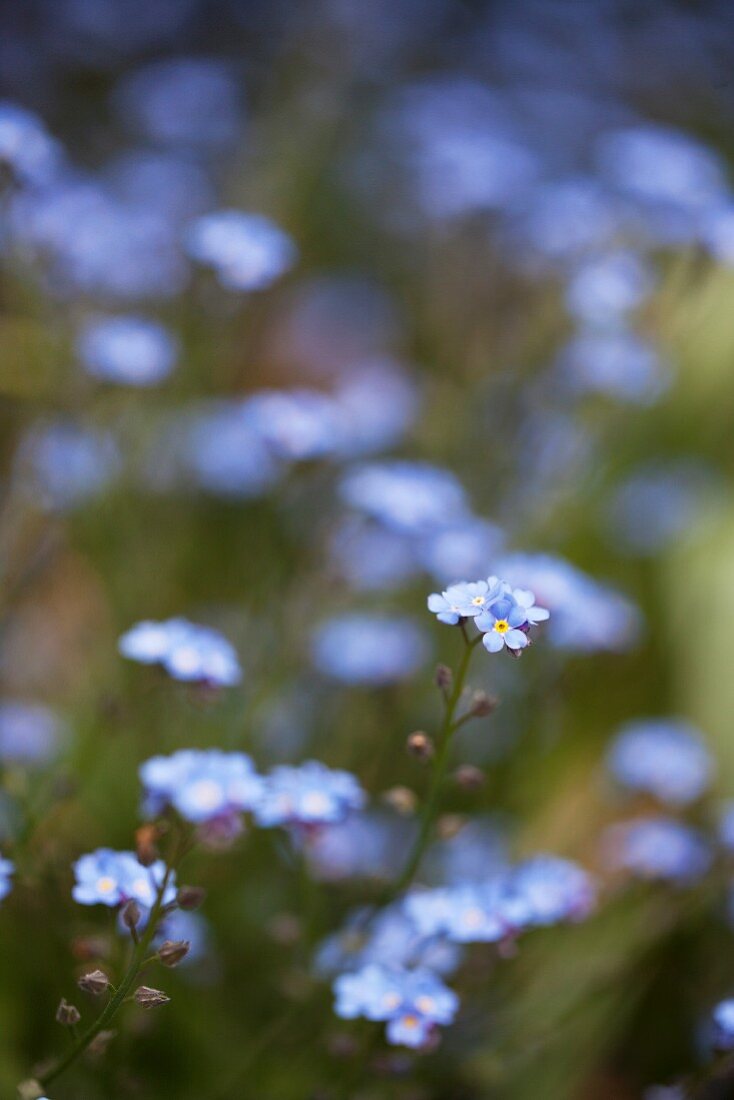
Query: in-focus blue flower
26	148
413	497
664	758
29	732
502	622
7	869
723	1020
412	1002
130	350
307	795
247	251
369	649
202	785
465	600
657	848
187	651
107	877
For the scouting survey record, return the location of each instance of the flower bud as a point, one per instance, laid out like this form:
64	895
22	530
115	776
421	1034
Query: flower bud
450	825
150	998
131	914
67	1015
420	745
190	897
30	1090
100	1042
171	952
146	844
95	982
482	704
468	777
443	677
400	799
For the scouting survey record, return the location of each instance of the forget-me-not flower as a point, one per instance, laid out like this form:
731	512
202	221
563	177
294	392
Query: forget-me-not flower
107	877
202	785
664	758
130	350
187	651
307	795
412	1002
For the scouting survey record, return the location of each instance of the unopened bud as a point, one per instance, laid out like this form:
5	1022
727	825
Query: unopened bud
86	948
285	929
400	799
420	745
450	825
483	704
30	1090
444	677
171	952
100	1042
95	982
131	914
67	1015
468	777
146	844
150	998
190	897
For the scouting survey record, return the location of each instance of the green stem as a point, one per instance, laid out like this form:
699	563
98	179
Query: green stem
440	764
108	1013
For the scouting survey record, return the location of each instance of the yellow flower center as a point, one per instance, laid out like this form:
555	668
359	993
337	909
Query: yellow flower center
478	601
425	1004
410	1021
105	884
501	626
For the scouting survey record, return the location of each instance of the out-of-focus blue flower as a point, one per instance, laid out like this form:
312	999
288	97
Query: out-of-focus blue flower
376	403
365	845
657	503
657	848
726	826
88	241
562	220
296	424
130	350
465	600
463	549
201	784
370	557
553	889
308	795
183	101
187	651
191	927
412	1001
7	869
664	758
247	251
29	733
617	363
722	1018
369	649
414	497
174	185
106	877
604	289
586	616
63	464
26	147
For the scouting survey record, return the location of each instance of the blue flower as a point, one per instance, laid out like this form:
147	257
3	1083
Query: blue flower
617	363
413	497
664	758
412	1002
296	424
7	869
201	785
29	732
26	148
465	600
723	1021
553	890
247	251
130	350
657	848
369	649
389	938
188	652
308	795
63	464
107	877
501	623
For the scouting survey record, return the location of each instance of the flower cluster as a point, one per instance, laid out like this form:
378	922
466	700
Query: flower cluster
413	1002
503	614
188	652
111	878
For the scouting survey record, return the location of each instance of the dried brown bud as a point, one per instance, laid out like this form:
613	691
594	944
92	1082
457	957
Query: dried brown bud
67	1014
190	897
469	778
150	998
444	677
450	825
483	704
285	929
420	745
400	799
86	948
131	914
100	1043
171	952
95	982
146	844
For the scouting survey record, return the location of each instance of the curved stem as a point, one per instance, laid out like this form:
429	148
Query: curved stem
108	1013
440	763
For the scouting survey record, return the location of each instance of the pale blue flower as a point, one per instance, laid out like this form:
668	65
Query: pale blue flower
111	878
413	497
411	1001
363	648
30	734
247	251
658	848
7	870
26	147
501	624
723	1021
187	651
201	784
307	795
663	757
129	350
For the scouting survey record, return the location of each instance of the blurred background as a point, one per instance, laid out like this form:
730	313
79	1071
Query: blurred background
475	315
